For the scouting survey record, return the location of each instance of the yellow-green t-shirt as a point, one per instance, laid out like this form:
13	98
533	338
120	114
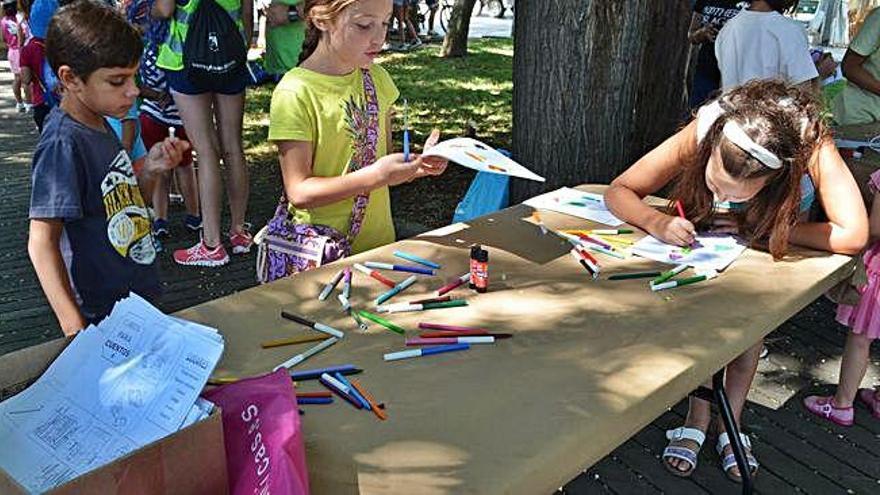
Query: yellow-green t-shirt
855	105
308	106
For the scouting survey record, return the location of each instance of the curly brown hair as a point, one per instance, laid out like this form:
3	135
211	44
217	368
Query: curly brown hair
784	119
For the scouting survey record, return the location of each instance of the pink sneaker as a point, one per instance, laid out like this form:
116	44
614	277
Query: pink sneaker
201	255
825	408
241	241
869	397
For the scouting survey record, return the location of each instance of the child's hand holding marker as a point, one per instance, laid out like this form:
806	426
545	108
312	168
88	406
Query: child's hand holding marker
166	155
674	230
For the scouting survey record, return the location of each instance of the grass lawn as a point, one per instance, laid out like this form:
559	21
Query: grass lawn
442	93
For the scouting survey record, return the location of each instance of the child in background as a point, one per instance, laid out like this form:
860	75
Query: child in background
321	107
864	320
83	181
32	60
761	43
157	115
14	35
753	147
404	23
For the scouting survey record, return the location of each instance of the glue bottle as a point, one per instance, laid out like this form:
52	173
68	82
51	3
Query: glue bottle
479	269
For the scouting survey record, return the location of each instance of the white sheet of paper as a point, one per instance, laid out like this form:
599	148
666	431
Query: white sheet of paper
589	206
479	156
713	252
127	382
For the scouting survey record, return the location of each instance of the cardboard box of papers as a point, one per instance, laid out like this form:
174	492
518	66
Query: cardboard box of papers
189	461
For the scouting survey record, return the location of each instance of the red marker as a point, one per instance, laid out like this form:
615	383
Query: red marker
448	328
376	275
454	285
680	208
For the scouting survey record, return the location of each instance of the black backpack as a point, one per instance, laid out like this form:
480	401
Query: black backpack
214	53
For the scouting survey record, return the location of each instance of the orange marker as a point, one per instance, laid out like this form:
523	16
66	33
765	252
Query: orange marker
378	411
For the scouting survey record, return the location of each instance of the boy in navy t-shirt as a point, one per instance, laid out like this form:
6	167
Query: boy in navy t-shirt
83	180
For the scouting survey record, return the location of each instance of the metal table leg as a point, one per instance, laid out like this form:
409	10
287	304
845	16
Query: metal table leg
719	396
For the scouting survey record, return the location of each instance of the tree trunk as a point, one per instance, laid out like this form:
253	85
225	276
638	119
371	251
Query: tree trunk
455	43
597	83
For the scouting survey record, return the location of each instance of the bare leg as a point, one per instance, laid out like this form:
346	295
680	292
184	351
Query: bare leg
856	354
16	87
189	188
198	119
698	417
401	24
229	111
160	197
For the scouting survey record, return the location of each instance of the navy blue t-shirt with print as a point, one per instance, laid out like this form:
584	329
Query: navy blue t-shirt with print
715	13
84	177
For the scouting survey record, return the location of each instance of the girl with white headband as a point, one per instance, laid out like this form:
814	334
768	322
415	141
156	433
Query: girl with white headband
759	149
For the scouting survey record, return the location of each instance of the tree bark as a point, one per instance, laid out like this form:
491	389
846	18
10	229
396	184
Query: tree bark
597	83
456	41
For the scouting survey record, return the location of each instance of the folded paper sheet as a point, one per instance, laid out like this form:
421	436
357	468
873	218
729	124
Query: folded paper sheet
473	154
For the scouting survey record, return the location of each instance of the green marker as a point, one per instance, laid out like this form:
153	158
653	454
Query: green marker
679	283
628	276
669	274
382	321
455	303
611	231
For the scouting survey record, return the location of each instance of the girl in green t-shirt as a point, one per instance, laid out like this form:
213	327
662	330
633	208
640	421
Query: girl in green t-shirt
332	144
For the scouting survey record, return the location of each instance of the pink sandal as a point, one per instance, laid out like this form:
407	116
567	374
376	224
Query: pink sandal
824	408
869	397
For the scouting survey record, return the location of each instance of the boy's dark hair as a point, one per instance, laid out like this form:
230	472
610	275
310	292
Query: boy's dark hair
782	6
87	36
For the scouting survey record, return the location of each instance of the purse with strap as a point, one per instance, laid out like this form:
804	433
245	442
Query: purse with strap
287	247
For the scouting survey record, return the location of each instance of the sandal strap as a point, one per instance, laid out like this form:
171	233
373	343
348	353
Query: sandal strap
683	433
724	441
730	462
681	453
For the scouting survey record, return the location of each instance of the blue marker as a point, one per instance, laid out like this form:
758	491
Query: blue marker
416	259
405	130
314	400
398	268
396	290
425	351
353	392
345	369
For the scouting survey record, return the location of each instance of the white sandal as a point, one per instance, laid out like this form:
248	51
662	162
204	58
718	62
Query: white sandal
729	461
683	453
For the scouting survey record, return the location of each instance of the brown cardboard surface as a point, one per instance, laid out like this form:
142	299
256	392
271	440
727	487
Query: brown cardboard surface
590	363
191	461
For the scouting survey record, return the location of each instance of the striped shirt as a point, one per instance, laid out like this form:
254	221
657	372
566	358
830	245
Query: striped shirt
154	78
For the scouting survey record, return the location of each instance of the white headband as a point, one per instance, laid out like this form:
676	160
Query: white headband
733	132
